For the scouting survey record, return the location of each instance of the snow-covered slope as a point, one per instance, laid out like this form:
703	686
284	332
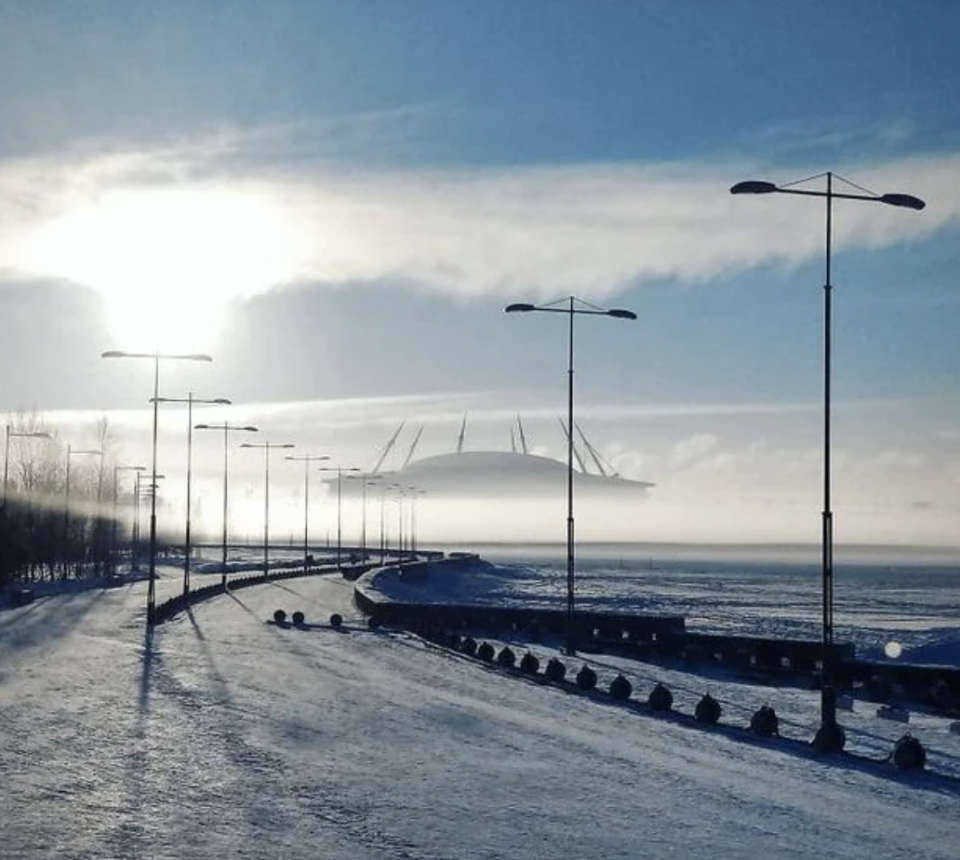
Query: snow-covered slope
224	735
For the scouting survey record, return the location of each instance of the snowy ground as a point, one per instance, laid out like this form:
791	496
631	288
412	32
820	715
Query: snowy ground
223	735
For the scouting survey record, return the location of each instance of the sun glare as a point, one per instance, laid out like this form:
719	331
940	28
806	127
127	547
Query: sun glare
167	262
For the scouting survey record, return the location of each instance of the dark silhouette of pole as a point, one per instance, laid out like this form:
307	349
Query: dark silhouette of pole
267	447
66	492
116	515
190	400
571	309
156	357
830	736
142	490
226	428
339	470
366	479
307	459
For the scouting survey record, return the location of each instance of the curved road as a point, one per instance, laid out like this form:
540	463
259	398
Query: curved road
223	735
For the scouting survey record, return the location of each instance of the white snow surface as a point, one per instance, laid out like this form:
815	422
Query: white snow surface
224	735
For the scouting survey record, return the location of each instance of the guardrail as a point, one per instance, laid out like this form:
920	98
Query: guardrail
657	637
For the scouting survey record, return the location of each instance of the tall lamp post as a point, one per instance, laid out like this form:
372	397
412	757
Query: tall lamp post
383	526
400	495
141	490
830	736
6	452
226	428
367	479
66	492
155	357
307	459
415	493
190	400
572	307
116	498
339	470
267	448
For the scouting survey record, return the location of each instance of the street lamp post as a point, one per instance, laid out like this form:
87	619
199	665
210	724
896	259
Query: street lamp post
367	479
383	527
400	496
226	428
113	529
570	307
830	736
141	490
307	459
415	493
339	470
267	447
66	492
136	521
6	452
156	357
190	400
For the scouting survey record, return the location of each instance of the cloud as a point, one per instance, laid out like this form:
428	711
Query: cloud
692	448
896	459
808	134
239	203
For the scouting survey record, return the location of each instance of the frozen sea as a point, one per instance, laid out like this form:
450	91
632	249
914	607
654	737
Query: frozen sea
223	735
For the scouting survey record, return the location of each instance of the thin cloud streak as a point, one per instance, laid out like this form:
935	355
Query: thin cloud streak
591	228
449	408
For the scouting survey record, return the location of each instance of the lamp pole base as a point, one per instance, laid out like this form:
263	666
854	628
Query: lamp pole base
830	737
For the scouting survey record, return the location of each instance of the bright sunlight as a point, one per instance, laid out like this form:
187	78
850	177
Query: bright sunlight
168	261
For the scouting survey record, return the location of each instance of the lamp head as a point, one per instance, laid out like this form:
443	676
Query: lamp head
904	201
521	307
753	186
621	313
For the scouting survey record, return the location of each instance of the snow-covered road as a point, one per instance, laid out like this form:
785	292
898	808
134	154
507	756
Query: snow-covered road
223	735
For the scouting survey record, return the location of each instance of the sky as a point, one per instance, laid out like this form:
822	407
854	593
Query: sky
336	202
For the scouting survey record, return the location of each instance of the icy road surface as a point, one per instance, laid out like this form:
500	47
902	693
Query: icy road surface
223	735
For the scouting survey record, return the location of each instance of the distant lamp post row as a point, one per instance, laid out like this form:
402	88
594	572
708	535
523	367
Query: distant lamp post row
190	400
227	428
6	452
830	736
307	459
367	479
339	470
116	497
140	491
71	453
572	307
267	447
156	357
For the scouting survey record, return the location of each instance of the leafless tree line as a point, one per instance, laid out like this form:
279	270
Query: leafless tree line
60	519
